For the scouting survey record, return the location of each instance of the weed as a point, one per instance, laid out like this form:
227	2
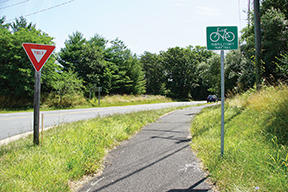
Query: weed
53	101
69	152
255	149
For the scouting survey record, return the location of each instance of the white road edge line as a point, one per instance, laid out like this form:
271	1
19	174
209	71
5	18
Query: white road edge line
96	181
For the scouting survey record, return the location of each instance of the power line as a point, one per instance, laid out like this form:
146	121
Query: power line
5	1
13	4
49	8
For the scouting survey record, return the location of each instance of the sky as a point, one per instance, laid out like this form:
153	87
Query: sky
143	25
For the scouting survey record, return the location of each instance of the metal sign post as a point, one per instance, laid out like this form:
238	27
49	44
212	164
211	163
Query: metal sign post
99	90
222	101
222	38
95	89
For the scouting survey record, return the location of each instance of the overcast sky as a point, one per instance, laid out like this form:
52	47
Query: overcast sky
143	25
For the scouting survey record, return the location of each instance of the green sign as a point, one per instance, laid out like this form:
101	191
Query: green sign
222	38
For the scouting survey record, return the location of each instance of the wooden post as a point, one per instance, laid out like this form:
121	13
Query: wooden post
36	107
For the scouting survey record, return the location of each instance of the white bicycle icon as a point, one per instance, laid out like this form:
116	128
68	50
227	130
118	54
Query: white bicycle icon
228	36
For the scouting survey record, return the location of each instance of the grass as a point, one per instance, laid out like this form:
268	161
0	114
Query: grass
123	100
69	152
76	102
256	141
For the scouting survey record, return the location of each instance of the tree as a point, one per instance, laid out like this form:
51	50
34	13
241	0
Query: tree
177	72
280	5
114	68
17	73
71	55
2	21
239	72
128	72
92	62
180	68
154	73
84	57
21	23
274	37
202	55
135	75
117	53
65	87
210	73
283	65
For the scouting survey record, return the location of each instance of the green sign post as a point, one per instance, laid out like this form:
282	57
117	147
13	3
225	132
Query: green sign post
222	38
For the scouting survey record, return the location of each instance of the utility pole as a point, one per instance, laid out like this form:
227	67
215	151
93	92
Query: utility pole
248	13
257	41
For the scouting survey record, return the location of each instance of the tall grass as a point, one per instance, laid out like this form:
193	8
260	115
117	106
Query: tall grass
65	101
120	100
11	104
69	152
256	143
52	101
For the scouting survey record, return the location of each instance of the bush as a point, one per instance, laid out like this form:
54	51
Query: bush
7	102
57	101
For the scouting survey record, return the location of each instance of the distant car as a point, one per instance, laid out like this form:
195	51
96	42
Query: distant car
211	98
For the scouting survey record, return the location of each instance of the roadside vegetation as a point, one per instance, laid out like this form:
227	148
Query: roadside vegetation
106	101
75	102
69	152
256	141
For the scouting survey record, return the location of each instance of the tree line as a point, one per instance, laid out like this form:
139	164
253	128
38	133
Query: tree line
192	72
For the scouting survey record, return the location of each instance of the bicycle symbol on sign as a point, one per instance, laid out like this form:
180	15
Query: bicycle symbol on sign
228	36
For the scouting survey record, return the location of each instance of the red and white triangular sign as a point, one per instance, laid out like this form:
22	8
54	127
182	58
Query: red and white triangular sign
38	54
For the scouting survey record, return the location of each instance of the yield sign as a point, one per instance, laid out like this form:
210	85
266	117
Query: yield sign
38	54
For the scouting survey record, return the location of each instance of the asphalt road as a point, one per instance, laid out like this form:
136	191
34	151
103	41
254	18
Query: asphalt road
12	124
158	158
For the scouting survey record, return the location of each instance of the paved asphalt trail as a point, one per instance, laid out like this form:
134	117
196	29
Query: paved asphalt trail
158	158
